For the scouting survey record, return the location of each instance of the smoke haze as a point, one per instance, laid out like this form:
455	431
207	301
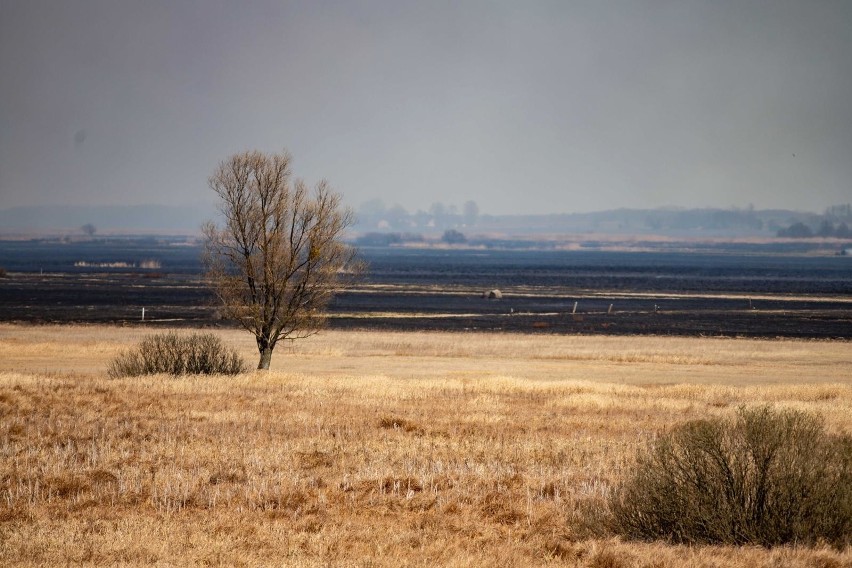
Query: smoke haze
523	107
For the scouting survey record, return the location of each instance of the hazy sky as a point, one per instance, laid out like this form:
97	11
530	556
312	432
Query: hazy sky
525	107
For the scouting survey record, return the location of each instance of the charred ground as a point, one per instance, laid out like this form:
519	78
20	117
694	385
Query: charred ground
615	293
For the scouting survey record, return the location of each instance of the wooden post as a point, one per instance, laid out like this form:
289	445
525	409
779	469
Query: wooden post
143	314
574	311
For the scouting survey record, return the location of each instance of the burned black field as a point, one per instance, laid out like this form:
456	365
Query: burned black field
543	292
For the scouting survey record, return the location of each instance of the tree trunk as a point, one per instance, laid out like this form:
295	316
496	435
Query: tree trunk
265	359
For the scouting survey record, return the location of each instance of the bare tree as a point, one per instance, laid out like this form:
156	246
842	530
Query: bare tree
279	257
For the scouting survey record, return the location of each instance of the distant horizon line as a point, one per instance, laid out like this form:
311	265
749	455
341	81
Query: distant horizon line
212	206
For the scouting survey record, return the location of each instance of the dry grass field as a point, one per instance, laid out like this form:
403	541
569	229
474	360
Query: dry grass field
372	449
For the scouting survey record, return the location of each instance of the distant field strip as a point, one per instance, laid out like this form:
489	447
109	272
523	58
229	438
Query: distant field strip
580	293
636	360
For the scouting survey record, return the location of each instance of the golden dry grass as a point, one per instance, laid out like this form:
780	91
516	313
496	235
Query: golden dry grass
371	449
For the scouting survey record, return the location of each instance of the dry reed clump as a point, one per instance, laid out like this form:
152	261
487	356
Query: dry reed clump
399	423
768	477
173	354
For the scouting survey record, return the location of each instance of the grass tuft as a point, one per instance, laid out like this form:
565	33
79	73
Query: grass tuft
396	423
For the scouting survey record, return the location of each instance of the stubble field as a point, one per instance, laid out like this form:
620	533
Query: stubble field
372	448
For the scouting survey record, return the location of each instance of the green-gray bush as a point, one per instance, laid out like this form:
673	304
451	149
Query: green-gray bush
766	477
178	355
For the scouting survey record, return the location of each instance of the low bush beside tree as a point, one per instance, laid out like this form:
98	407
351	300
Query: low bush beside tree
174	354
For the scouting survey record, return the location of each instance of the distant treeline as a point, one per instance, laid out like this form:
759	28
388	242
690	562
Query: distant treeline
826	229
379	225
374	219
833	223
377	239
87	220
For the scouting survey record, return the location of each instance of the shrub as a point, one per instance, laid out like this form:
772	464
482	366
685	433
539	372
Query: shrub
178	355
765	477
